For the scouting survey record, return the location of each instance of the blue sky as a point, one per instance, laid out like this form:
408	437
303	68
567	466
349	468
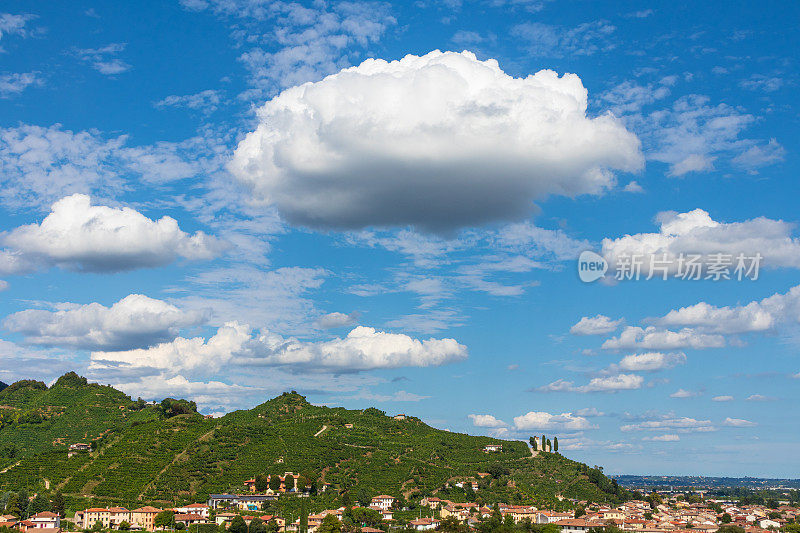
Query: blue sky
383	204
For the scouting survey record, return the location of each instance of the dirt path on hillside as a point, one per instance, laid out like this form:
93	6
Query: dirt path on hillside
6	469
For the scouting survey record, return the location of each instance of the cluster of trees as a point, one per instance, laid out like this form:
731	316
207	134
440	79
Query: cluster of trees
170	407
71	380
22	506
24	383
544	443
238	525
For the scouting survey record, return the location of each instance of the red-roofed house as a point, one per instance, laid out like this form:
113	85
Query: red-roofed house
424	524
382	502
189	518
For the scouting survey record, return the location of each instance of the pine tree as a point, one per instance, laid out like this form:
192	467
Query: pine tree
12	505
275	482
237	525
303	518
555	444
262	483
330	524
38	504
58	503
22	503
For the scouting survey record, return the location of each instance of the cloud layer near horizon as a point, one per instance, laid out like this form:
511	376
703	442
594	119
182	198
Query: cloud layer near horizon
363	348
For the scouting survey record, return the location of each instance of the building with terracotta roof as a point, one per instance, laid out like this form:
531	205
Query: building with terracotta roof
382	502
45	520
144	517
424	524
575	525
189	518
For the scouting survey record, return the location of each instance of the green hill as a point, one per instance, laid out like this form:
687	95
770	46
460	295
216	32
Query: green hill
169	453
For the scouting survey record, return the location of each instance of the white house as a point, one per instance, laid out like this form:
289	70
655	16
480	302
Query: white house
550	517
382	502
194	508
45	519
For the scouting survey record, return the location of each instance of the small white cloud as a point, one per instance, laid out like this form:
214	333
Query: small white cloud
531	240
762	316
548	40
641	14
399	396
652	338
11	24
759	398
103	60
14	83
692	163
337	320
651	361
683	393
486	421
596	325
543	420
738	423
759	82
633	187
760	155
662	423
614	383
206	101
725	398
669	437
589	412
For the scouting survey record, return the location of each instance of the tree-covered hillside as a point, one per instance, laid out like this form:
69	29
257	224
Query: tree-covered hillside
169	453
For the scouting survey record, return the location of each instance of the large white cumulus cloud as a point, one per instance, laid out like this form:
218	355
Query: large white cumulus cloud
80	236
695	232
439	141
135	321
363	348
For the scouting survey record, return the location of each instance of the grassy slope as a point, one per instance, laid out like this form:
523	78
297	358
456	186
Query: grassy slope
143	457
